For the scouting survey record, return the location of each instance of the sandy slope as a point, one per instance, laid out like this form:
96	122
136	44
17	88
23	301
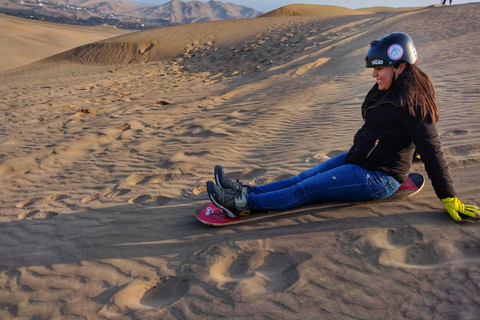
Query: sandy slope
103	166
23	41
313	10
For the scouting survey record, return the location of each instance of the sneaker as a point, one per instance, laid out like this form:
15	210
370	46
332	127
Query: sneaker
224	182
232	202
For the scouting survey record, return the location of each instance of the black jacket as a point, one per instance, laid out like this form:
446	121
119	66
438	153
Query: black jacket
387	140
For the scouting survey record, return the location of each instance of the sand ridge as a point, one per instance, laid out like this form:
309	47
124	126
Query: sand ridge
314	10
25	41
103	166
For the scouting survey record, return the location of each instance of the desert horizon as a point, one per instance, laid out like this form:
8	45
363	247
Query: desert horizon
50	39
108	138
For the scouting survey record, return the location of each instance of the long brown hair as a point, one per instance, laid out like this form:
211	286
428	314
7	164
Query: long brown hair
416	92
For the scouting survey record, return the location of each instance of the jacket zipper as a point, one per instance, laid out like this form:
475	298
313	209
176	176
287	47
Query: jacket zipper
376	144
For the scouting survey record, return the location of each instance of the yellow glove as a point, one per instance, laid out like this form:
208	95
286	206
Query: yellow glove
454	207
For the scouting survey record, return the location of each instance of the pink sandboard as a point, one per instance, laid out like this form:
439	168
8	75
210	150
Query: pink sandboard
214	216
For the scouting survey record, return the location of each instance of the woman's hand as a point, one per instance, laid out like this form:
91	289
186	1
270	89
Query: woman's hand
454	207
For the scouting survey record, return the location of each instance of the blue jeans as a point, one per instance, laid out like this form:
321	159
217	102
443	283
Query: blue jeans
331	181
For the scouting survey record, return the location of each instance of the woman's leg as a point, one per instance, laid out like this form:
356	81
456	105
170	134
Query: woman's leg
334	162
344	183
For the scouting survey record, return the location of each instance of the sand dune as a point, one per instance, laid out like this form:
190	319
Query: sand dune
104	162
166	43
23	41
313	10
392	9
328	11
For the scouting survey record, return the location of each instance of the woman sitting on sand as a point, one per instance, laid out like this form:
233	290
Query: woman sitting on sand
400	113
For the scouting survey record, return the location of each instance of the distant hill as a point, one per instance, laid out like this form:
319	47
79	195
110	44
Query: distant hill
195	11
116	12
313	10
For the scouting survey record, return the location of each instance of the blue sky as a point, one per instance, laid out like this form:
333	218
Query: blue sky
268	5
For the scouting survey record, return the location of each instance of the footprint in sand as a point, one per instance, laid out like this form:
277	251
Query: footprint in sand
40	200
258	272
468	249
403	236
385	239
165	291
425	254
156	293
439	253
114	192
405	248
281	269
149	201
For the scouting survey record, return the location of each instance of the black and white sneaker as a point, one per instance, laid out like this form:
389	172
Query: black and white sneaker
224	182
232	202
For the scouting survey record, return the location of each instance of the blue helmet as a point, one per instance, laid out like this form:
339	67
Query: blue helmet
391	49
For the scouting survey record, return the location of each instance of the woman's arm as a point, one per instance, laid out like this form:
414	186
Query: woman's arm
428	145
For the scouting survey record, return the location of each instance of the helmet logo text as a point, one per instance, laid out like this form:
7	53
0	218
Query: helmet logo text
377	62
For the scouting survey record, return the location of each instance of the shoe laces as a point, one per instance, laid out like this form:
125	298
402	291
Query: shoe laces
237	193
240	198
242	186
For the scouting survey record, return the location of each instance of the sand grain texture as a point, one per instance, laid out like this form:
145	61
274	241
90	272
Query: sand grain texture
103	163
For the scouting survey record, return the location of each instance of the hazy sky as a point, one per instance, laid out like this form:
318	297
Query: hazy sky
269	5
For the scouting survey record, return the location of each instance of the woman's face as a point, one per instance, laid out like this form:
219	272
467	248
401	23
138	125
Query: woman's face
384	76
